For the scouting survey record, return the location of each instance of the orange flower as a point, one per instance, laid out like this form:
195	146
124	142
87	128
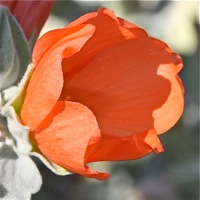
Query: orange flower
102	90
31	15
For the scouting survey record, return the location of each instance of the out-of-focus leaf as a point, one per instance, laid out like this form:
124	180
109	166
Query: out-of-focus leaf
14	50
31	15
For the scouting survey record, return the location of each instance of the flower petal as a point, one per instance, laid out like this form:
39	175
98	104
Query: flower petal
175	102
59	37
65	135
46	83
124	148
94	17
124	85
108	32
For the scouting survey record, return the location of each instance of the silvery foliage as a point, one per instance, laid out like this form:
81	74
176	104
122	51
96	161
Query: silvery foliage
19	176
14	50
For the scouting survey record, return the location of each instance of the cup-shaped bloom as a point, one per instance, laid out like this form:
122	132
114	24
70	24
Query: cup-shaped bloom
102	90
31	15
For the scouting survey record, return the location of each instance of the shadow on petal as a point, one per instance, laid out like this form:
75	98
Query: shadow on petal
123	86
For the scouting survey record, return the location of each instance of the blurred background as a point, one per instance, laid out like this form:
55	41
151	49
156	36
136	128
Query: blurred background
174	174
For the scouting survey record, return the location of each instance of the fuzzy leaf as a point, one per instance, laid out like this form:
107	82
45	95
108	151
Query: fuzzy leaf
19	176
16	129
14	50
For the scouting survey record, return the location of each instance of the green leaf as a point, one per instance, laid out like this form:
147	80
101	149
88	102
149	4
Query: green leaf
14	50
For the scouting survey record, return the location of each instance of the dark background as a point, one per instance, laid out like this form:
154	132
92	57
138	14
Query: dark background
174	174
